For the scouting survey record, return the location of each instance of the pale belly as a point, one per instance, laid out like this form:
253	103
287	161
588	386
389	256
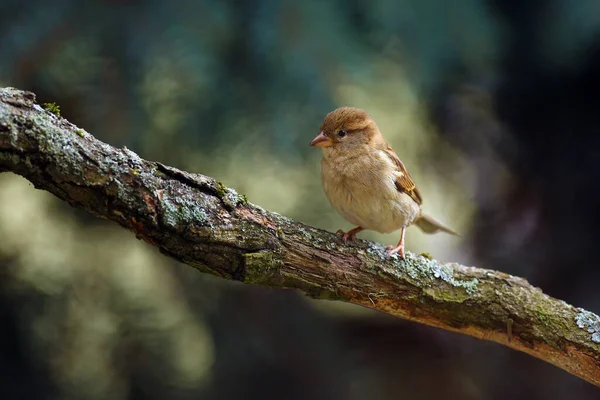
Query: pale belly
368	202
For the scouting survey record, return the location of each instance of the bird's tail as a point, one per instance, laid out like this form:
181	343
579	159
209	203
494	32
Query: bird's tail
430	225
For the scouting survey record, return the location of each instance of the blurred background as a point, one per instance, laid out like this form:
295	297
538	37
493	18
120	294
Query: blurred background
492	105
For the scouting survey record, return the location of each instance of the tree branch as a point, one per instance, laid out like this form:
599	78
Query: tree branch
196	220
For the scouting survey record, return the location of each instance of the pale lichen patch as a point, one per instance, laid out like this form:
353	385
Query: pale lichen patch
305	233
179	209
590	322
230	198
132	155
424	271
377	249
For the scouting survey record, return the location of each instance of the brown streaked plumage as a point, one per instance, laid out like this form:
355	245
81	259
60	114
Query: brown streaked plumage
404	182
365	181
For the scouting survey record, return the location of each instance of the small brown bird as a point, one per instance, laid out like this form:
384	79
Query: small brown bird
365	181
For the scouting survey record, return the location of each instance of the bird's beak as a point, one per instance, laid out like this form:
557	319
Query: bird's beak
321	141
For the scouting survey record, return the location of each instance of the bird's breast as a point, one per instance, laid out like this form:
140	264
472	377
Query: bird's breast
363	191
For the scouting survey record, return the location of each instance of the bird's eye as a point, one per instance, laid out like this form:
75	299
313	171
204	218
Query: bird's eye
342	133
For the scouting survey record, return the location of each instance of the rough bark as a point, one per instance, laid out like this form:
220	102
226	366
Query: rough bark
196	220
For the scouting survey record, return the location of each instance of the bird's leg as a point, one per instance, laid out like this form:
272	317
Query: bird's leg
397	249
351	234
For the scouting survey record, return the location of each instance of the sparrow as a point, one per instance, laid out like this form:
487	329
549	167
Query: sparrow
366	182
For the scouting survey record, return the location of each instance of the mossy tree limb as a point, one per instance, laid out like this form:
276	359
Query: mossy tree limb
196	220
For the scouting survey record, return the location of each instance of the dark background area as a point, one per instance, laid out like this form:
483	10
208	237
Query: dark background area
492	105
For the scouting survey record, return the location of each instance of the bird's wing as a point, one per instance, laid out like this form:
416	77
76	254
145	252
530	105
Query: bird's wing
404	182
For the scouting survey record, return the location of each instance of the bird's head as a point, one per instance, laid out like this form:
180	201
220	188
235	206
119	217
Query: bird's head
346	128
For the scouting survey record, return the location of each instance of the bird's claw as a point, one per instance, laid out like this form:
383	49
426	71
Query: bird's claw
391	250
346	236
